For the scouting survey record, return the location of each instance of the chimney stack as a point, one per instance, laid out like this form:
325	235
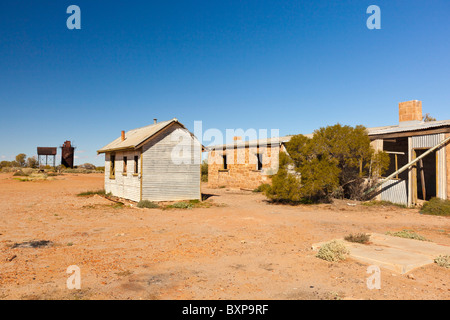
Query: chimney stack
123	135
155	120
410	111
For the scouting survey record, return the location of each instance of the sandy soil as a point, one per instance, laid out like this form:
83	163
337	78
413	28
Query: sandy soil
243	249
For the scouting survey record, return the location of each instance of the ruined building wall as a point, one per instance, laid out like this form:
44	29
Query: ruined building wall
241	171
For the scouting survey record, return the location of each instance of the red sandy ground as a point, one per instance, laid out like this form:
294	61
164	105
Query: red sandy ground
245	249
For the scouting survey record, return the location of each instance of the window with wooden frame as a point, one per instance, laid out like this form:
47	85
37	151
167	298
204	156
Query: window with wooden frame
125	166
112	166
136	165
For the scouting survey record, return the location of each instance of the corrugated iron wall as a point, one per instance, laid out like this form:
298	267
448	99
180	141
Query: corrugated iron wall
395	191
429	141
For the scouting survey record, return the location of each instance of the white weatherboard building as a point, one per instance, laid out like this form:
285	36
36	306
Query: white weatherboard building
159	162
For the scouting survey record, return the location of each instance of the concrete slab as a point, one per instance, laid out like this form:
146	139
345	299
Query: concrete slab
394	259
426	248
394	253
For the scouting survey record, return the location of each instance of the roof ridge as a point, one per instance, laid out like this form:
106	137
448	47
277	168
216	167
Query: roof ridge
153	124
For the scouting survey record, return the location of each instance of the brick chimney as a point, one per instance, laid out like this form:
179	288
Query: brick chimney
123	135
410	111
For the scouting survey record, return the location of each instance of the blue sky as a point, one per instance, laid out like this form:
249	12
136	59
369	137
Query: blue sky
288	65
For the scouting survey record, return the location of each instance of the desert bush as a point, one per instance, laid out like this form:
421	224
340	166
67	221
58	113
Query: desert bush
147	204
78	170
53	174
436	206
204	171
408	234
262	187
87	166
181	205
358	238
20	173
443	261
333	163
11	169
333	251
101	192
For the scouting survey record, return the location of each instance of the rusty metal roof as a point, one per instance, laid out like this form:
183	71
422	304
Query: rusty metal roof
46	151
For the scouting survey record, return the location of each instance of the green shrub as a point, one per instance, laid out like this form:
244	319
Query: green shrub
330	164
333	251
204	170
53	174
147	204
408	234
181	205
443	261
436	207
20	173
118	205
262	187
101	192
358	238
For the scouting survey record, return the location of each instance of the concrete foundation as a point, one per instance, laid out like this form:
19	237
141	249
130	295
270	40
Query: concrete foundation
393	253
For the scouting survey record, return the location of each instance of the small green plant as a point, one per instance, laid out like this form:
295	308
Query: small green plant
118	205
443	261
437	207
408	234
204	170
333	251
262	187
52	174
147	204
20	173
101	192
358	238
181	205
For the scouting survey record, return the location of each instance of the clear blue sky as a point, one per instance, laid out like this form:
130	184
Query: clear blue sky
289	65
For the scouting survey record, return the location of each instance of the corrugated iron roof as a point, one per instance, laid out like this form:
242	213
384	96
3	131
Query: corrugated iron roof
413	126
404	127
135	137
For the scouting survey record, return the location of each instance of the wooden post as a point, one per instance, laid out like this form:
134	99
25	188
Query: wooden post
396	166
422	180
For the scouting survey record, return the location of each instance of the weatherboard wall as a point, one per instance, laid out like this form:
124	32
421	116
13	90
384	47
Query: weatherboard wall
171	166
123	185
